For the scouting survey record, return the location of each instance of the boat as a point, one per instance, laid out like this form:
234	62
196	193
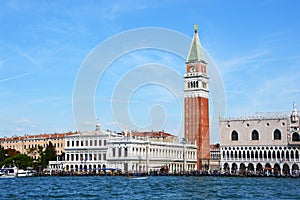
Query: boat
136	176
8	172
25	173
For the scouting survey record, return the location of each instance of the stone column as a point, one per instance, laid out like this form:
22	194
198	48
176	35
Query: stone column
184	156
147	157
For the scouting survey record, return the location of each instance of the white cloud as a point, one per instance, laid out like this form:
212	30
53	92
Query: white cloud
119	8
28	57
15	77
238	62
89	122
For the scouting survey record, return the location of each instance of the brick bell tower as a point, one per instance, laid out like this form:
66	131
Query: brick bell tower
196	112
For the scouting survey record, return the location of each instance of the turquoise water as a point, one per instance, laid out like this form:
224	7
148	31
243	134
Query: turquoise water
165	187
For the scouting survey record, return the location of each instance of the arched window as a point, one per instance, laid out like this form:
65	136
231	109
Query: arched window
277	135
234	136
295	137
255	135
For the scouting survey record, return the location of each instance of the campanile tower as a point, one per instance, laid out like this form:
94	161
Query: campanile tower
196	112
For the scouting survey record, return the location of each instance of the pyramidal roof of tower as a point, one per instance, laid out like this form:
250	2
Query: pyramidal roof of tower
196	52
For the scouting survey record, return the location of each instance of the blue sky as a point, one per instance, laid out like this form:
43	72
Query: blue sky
254	44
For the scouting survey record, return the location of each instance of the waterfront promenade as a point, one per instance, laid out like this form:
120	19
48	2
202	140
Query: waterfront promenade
159	173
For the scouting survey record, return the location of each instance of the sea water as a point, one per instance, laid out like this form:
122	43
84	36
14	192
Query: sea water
154	187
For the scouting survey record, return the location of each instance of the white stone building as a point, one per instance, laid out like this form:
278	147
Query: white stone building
148	155
264	143
135	152
87	151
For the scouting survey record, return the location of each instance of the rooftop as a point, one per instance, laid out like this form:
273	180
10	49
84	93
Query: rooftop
259	116
39	136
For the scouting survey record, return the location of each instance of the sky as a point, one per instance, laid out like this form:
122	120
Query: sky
44	44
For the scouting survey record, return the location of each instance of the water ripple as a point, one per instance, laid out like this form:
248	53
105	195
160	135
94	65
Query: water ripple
167	187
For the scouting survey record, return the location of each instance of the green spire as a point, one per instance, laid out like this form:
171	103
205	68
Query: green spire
196	52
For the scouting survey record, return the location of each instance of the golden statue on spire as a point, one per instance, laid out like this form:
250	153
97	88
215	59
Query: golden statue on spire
196	27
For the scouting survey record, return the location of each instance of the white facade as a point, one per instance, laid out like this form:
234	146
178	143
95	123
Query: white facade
137	155
86	151
264	143
96	151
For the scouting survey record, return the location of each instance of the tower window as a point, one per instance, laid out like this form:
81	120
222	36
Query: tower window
234	136
255	135
277	135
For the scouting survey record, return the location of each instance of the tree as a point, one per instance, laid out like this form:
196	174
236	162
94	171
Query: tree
48	155
21	161
50	152
2	154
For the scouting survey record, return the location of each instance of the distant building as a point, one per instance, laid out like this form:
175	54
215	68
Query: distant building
154	136
86	151
263	143
28	144
215	157
96	151
148	154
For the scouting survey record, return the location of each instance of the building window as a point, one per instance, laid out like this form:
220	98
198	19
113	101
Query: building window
104	142
113	152
126	152
104	156
95	143
120	152
234	136
277	135
255	135
295	137
100	143
82	143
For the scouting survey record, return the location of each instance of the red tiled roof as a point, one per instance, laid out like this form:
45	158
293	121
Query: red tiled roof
41	136
152	134
215	146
